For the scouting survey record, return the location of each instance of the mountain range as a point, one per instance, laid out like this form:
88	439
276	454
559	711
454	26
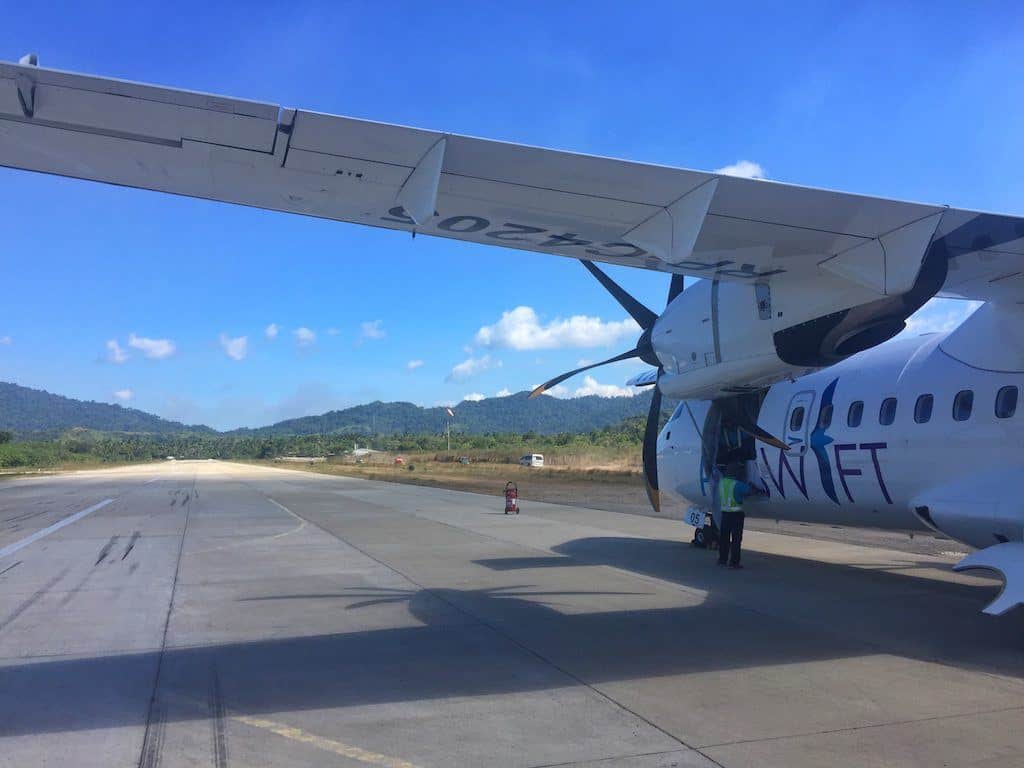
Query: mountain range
34	410
25	410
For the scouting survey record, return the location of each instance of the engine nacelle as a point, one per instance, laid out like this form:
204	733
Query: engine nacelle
719	338
716	339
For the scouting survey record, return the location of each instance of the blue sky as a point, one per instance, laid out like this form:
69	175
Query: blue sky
913	101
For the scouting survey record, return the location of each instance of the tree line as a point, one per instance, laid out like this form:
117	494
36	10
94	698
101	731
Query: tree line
84	446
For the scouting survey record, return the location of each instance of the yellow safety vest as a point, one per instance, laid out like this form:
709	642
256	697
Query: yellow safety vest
726	498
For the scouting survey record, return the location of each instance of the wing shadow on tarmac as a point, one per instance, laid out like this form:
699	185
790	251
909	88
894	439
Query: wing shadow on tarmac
781	610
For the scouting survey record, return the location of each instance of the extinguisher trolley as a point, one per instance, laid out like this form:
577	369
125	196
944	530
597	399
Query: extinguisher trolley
511	497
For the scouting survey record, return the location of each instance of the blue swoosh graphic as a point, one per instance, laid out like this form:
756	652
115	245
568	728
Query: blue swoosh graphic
819	439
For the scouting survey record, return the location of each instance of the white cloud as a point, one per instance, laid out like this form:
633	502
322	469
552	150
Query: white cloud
503	392
521	329
372	330
474	397
304	337
124	394
155	349
745	169
590	387
472	366
115	353
333	332
412	365
940	315
235	348
5	341
271	331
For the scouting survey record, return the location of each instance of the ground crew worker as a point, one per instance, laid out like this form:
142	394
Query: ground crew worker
731	492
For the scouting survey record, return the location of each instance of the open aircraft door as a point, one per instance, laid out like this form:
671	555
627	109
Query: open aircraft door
798	421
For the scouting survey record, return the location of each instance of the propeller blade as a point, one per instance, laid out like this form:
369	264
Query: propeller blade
674	288
650	451
643	316
559	379
765	437
742	412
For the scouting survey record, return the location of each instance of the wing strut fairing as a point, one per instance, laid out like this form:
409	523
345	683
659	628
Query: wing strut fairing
418	195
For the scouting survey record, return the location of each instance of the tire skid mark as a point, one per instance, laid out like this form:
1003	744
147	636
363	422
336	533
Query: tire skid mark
32	599
25	516
153	741
218	732
10	568
106	549
156	716
73	592
131	544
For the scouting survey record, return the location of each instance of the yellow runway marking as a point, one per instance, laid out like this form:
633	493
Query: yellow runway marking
328	745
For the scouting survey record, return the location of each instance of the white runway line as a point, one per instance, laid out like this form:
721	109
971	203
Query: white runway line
12	548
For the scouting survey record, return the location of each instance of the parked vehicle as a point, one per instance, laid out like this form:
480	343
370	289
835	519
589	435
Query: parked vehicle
532	460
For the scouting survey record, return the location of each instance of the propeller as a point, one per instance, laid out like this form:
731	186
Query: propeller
644	317
650	450
644	350
740	411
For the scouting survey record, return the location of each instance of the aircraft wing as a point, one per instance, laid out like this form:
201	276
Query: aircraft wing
434	183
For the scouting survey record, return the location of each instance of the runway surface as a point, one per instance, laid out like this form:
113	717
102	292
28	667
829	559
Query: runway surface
213	614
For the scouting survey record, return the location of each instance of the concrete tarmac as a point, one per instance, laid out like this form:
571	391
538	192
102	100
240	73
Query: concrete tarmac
214	614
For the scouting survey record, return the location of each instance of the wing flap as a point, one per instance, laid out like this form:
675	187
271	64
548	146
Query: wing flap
150	120
10	104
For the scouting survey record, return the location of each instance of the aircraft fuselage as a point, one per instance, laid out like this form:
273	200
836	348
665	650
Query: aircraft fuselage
904	436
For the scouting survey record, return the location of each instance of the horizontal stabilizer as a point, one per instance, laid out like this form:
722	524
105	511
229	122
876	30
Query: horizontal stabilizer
1006	559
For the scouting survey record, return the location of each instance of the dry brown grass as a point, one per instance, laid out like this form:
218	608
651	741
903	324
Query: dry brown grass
600	487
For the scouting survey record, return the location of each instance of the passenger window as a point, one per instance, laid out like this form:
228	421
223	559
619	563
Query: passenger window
796	420
962	405
825	417
1006	402
855	414
887	413
923	409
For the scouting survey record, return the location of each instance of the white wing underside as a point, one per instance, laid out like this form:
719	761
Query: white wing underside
580	206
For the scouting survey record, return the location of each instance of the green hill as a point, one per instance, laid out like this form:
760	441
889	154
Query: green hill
515	413
34	410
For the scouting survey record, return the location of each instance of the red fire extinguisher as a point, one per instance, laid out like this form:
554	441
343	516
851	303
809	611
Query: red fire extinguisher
511	495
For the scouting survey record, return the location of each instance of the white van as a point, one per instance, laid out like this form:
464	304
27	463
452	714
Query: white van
532	460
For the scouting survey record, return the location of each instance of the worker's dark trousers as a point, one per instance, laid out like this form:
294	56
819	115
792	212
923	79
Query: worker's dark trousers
730	537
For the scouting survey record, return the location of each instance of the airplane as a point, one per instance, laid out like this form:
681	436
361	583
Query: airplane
784	335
